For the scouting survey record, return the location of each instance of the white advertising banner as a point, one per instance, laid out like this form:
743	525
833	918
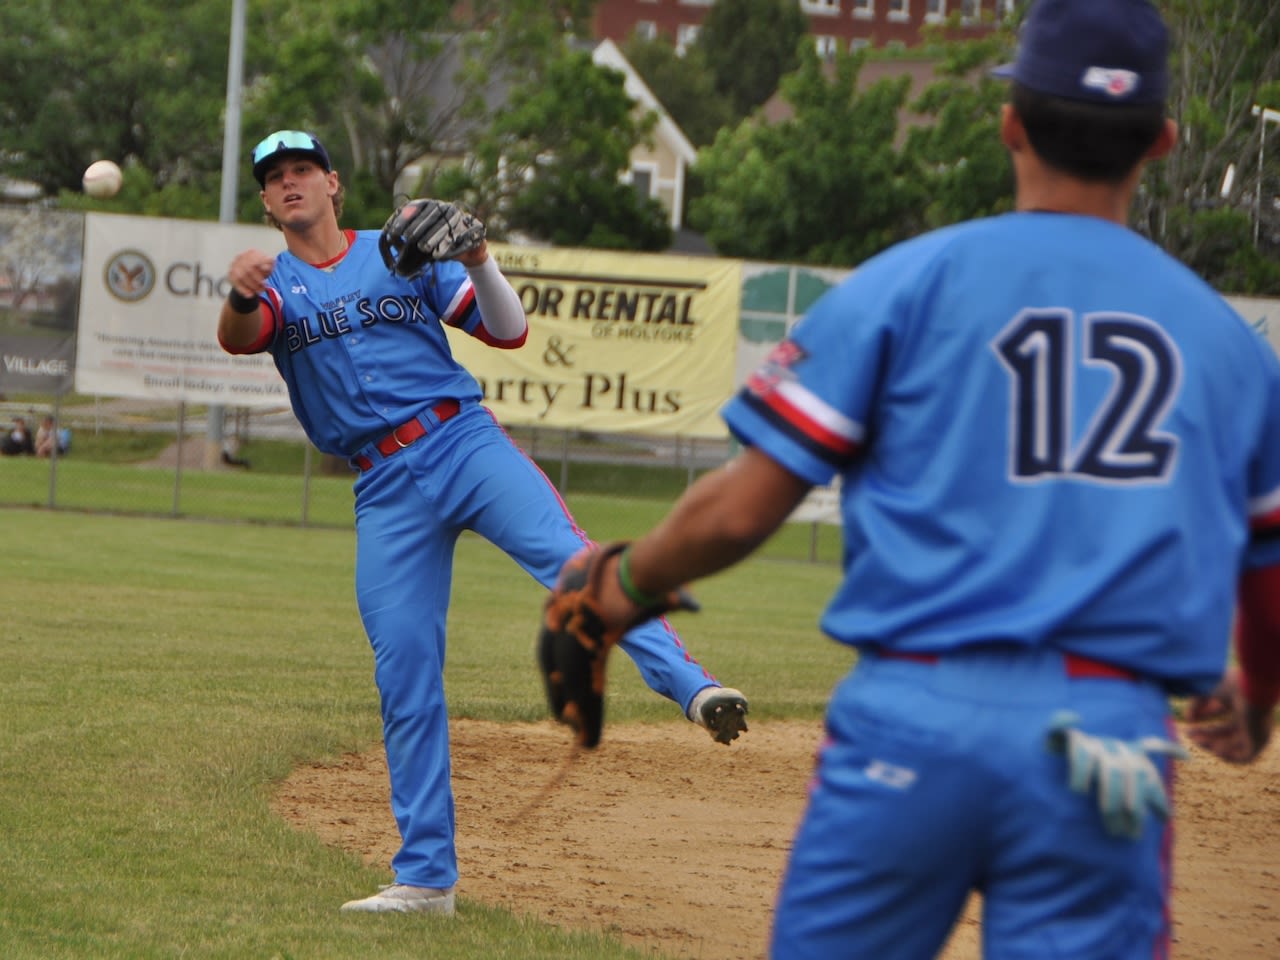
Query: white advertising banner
149	303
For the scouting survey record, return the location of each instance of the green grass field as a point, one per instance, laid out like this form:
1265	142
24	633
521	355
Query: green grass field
110	474
160	676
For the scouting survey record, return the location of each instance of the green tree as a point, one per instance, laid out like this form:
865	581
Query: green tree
141	83
145	84
550	134
749	46
958	155
548	165
1225	254
386	84
1226	57
373	79
683	85
826	186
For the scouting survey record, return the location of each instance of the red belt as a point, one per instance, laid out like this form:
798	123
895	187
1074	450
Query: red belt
1076	666
408	432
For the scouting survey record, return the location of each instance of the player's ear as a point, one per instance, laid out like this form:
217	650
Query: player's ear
1012	133
1165	141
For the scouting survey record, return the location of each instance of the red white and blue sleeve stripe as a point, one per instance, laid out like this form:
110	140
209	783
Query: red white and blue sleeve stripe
461	310
789	421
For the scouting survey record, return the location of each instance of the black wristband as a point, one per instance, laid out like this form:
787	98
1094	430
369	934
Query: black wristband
240	303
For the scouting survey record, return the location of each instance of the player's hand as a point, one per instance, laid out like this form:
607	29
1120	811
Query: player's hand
1121	773
1227	725
249	271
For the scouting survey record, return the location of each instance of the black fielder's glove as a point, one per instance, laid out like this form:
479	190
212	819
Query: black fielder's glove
422	231
574	641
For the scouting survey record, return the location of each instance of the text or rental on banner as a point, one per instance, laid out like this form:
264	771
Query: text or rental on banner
618	342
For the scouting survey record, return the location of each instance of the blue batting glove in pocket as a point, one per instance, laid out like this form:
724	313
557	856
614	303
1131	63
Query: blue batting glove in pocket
1127	783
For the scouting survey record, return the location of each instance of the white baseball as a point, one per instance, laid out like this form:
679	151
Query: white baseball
102	179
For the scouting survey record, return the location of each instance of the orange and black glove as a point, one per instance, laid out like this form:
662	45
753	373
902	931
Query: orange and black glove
575	639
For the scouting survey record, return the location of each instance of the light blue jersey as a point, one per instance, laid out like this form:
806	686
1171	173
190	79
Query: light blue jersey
343	333
1034	448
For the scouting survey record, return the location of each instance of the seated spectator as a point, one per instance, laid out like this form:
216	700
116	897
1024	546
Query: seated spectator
18	440
48	439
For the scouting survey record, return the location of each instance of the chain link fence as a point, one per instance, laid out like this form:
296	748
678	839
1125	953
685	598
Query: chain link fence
153	458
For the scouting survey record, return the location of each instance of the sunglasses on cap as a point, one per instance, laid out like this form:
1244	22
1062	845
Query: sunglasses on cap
283	142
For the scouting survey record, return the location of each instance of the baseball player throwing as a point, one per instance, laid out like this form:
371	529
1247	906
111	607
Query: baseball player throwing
355	322
1060	460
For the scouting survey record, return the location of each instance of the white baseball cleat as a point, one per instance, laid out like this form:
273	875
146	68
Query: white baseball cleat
722	711
401	898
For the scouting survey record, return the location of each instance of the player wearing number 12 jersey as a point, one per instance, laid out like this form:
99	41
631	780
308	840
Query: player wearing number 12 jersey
1059	454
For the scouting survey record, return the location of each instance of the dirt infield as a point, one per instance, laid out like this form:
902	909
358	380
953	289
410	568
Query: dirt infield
682	849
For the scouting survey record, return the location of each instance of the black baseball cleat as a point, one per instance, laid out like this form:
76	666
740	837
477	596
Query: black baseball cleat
722	711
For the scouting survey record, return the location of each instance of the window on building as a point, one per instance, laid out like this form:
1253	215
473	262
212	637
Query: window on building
827	46
821	7
864	9
935	10
899	9
686	33
858	43
646	30
642	180
970	10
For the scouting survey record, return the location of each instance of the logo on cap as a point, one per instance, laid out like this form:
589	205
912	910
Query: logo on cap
1114	83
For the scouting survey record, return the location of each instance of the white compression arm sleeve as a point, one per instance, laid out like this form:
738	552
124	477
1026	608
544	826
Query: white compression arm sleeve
499	304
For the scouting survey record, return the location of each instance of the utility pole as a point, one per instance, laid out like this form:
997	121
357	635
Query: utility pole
230	183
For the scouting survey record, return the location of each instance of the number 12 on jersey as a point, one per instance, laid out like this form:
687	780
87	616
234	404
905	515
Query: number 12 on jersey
1122	440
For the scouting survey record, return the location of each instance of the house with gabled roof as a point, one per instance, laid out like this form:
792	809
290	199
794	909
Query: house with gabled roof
657	170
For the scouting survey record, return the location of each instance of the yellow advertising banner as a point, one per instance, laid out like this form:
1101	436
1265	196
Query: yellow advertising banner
618	342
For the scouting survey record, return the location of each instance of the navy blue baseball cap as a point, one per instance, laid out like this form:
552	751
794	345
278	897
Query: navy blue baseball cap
284	142
1100	51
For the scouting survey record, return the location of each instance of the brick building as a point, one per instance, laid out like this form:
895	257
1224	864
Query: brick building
835	24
